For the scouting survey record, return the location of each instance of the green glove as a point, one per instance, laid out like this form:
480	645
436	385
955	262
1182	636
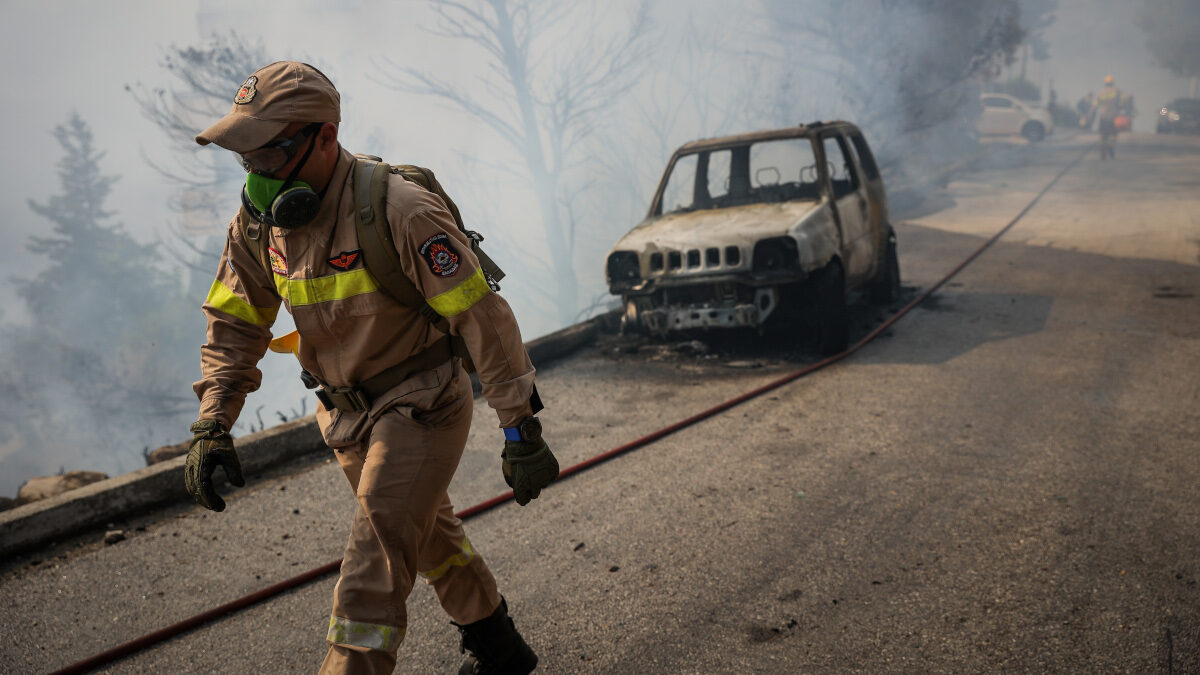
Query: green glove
528	464
212	446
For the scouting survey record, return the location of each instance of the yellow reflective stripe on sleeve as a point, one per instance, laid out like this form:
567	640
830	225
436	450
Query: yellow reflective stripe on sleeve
460	298
460	559
343	631
300	292
222	298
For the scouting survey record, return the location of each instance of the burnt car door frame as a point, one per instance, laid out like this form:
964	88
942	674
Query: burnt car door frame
877	196
850	211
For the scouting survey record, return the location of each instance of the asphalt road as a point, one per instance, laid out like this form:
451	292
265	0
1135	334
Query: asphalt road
1006	482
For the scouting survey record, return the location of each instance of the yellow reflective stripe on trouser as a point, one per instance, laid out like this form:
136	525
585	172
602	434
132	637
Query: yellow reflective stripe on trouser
300	292
460	298
222	298
343	631
460	559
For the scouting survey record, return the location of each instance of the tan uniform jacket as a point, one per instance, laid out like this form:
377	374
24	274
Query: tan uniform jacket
349	328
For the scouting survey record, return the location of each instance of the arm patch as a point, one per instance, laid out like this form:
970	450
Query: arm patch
439	253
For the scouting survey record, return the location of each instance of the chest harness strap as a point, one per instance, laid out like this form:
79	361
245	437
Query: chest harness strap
360	397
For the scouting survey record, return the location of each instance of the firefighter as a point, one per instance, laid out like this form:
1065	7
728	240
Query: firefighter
1106	107
397	404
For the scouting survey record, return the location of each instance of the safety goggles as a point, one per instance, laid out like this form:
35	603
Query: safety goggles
275	155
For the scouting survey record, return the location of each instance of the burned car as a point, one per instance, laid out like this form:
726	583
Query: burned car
757	228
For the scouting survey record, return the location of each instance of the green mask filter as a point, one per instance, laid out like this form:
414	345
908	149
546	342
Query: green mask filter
262	190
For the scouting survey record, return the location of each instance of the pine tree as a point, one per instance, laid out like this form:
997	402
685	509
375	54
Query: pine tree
104	365
88	255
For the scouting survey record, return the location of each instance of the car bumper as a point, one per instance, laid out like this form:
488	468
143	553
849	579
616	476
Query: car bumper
662	320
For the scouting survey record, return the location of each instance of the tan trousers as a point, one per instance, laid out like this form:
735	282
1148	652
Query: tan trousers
405	526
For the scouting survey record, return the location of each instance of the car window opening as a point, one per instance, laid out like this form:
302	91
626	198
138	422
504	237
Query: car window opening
764	172
842	176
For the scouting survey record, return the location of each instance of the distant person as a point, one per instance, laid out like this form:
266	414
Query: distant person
396	400
1106	108
1084	107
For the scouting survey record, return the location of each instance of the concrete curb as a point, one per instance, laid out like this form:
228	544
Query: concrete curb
31	525
35	524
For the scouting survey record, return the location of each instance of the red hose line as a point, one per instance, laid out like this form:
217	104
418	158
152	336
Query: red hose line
164	634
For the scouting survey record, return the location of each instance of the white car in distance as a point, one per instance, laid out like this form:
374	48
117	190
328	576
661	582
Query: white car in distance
1005	115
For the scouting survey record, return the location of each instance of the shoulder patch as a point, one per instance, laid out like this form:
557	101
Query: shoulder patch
278	262
346	259
439	253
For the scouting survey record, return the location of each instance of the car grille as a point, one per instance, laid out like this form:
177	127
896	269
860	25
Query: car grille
695	259
705	294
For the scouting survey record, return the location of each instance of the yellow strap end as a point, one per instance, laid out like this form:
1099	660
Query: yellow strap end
286	344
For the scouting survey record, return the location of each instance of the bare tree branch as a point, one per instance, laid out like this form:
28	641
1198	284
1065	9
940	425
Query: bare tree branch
542	92
206	78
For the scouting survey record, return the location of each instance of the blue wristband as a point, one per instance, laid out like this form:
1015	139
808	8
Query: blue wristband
512	434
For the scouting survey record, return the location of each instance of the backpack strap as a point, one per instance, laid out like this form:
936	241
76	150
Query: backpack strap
253	234
379	250
374	235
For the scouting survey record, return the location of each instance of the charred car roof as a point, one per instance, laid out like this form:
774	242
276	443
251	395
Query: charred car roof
757	136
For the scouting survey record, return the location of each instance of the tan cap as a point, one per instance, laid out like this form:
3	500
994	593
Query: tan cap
269	100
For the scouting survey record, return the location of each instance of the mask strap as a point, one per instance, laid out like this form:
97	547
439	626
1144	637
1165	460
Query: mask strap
303	160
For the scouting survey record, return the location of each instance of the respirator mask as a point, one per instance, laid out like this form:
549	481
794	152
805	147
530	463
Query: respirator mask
280	202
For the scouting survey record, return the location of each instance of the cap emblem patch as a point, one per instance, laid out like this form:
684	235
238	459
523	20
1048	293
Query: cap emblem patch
439	254
346	259
278	262
247	92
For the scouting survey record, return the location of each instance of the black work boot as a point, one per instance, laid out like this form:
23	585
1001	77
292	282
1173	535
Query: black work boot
496	647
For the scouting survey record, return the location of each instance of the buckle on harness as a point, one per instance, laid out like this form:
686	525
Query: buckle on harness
310	382
346	399
358	398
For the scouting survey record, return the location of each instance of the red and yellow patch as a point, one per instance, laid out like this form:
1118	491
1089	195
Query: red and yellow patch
247	92
346	259
440	255
278	262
